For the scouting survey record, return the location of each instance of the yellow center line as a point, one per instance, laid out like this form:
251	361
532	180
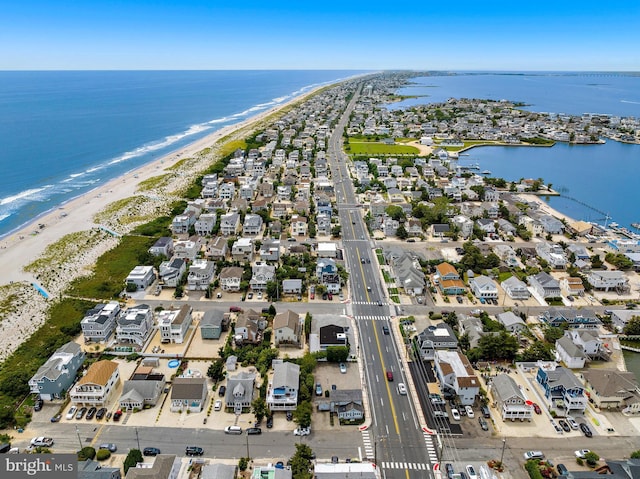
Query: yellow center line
384	370
364	279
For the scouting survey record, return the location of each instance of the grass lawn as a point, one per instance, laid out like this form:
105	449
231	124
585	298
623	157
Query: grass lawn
369	148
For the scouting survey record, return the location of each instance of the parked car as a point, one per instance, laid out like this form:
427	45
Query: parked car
343	368
585	430
564	425
269	422
318	389
194	451
289	416
471	472
302	431
81	412
455	414
71	413
91	413
233	430
436	399
252	431
37	406
110	446
483	424
217	406
572	422
259	295
222	390
537	409
42	442
117	415
485	412
581	453
469	411
562	469
150	451
101	413
533	455
449	469
235	309
56	418
250	296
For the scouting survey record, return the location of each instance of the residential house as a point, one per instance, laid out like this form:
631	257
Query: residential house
217	248
230	278
608	280
621	317
440	230
506	227
171	272
435	339
230	224
99	322
174	324
226	191
455	373
573	285
242	249
299	225
220	471
205	224
510	400
515	289
483	287
181	223
534	227
327	273
464	225
240	391
590	342
262	273
511	322
270	250
287	328
486	224
572	355
472	327
135	325
545	285
282	391
551	225
413	226
252	225
143	389
448	279
165	466
55	377
187	249
507	254
200	275
612	389
247	329
408	273
291	286
212	324
332	335
162	247
141	276
571	318
95	388
91	469
189	394
553	254
323	224
327	250
563	391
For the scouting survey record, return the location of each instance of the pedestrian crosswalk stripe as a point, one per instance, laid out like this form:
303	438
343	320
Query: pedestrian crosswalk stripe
372	318
405	465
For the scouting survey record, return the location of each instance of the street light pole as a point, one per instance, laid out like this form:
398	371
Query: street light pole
137	439
79	440
504	443
248	455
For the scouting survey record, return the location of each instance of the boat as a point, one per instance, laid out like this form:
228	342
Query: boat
486	172
635	225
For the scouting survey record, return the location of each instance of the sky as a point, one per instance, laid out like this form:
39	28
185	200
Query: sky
328	34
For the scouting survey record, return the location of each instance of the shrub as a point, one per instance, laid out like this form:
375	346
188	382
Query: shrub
86	453
243	463
533	468
103	454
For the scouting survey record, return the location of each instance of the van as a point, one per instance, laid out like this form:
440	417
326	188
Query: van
233	430
562	469
485	412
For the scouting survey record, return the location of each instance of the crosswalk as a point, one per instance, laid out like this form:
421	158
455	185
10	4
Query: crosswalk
416	466
372	318
431	448
368	303
368	445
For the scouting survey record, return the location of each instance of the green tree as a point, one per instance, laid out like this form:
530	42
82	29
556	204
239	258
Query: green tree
396	212
16	384
260	408
401	232
302	414
552	334
216	370
272	310
632	328
133	458
301	462
85	453
307	324
337	354
498	346
635	454
537	351
591	458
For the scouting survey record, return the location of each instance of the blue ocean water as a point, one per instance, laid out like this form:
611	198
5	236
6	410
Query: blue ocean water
600	179
63	133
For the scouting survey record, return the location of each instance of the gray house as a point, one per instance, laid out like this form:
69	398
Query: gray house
511	403
55	377
143	389
545	285
240	391
91	469
211	324
99	322
511	322
188	394
170	272
163	246
441	337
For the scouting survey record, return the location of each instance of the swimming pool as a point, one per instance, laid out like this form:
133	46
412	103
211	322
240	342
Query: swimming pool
174	363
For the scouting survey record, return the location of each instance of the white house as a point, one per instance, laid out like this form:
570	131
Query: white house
141	276
287	328
608	280
174	324
282	392
99	322
510	400
572	355
96	387
135	325
515	288
455	373
230	278
200	275
483	287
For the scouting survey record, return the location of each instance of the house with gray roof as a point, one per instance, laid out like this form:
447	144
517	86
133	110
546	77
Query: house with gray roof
165	466
170	272
91	469
571	318
545	285
562	389
409	274
261	274
472	327
624	469
610	388
551	225
141	276
144	388
572	355
282	391
174	324
291	286
287	328
438	338
230	278
219	471
515	289
240	391
511	322
189	394
205	223
162	247
230	224
252	225
270	250
608	280
200	274
216	248
510	400
134	325
483	287
55	377
100	321
212	324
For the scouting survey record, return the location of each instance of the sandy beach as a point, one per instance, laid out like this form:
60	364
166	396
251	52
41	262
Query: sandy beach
23	306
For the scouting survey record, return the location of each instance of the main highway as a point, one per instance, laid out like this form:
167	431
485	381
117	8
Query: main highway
395	439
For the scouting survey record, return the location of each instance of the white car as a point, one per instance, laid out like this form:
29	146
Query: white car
71	413
259	296
469	411
217	406
402	389
455	414
343	368
302	431
581	453
572	422
471	472
533	455
42	441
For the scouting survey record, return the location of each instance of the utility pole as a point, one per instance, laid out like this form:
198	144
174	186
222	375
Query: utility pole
138	439
79	440
504	443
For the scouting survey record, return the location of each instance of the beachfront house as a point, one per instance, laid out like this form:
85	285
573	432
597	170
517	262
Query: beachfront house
141	277
95	388
162	247
134	325
174	324
55	377
170	272
100	322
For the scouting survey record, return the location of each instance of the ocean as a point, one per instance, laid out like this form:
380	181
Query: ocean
64	133
597	182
